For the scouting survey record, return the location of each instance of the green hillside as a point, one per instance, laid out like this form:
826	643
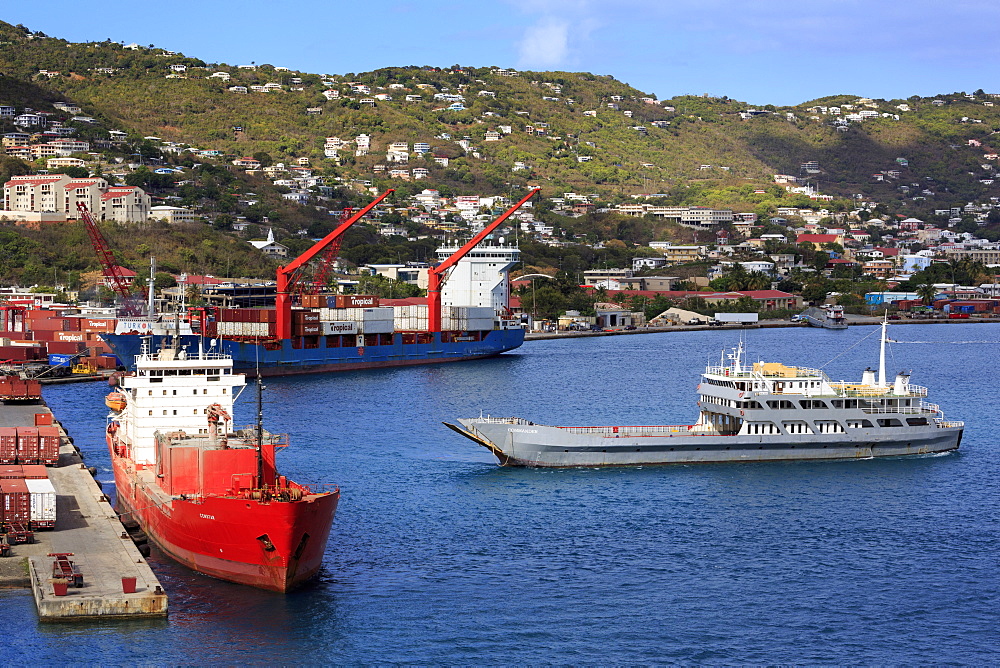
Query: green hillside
592	134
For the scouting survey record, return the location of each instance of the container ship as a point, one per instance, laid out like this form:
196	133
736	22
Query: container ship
208	495
464	316
765	411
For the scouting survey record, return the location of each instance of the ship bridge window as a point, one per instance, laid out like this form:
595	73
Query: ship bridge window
749	405
812	404
889	422
845	403
780	404
185	372
916	422
170	372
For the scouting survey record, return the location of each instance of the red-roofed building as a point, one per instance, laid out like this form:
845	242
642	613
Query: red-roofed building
126	204
54	198
127	274
817	240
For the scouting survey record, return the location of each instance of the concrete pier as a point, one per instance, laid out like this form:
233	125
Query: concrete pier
88	527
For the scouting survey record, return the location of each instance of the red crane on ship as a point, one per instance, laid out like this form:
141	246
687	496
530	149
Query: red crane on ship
131	304
437	276
289	275
318	283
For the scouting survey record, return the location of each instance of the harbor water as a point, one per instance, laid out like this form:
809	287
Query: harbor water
439	556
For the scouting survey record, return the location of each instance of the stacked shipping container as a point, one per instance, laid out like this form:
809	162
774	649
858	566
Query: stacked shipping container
27	497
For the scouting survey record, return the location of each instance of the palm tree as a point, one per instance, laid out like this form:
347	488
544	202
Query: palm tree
927	292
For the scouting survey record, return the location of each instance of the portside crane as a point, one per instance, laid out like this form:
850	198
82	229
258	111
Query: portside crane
437	276
289	275
330	256
112	271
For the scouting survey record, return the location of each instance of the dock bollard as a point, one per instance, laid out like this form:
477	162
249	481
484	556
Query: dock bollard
128	585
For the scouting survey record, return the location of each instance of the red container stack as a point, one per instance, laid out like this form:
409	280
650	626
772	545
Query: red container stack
48	445
15	501
27	445
8	445
33	471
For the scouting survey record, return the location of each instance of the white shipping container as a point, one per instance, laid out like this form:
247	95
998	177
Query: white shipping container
43	502
479	323
377	327
339	327
474	312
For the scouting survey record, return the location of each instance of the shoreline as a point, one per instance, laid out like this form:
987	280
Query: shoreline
857	320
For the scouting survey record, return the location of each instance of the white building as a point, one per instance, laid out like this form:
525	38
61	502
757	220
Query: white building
172	214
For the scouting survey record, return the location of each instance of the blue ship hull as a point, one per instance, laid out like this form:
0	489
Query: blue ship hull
286	360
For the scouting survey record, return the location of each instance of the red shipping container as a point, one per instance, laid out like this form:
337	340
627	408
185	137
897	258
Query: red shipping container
52	324
98	325
15	501
34	471
44	335
27	445
43	419
355	301
11	471
71	324
70	336
305	316
307	329
64	347
16	353
8	445
48	445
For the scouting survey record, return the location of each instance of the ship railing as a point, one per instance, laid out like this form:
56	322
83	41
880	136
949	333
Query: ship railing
636	430
906	410
188	357
853	390
500	420
318	487
727	371
249	435
949	424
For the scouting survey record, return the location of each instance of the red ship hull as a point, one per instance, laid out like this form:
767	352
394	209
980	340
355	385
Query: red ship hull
272	543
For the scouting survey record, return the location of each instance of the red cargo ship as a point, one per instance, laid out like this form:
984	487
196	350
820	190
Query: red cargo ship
208	496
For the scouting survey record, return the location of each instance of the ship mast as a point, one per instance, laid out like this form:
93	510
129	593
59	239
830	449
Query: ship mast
260	432
881	353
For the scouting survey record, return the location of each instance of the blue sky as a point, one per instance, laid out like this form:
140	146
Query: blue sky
759	51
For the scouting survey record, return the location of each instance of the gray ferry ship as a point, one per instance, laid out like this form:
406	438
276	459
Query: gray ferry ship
748	413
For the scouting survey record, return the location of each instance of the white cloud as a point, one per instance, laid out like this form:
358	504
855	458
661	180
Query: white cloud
545	44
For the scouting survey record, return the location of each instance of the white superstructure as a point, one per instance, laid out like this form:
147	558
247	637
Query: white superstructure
481	277
172	392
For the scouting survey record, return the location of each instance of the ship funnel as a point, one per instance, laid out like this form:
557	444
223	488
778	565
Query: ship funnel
902	384
868	377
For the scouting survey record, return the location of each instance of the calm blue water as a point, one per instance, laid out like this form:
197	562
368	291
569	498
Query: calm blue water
439	556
